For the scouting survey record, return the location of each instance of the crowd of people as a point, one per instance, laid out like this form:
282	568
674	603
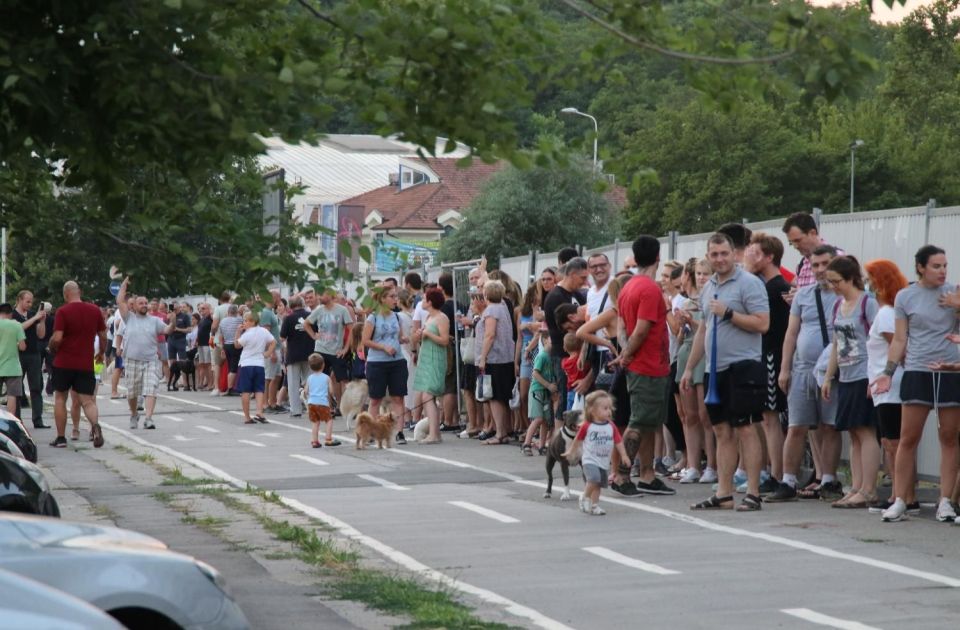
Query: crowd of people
722	370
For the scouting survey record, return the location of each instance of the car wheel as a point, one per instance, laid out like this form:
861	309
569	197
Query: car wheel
50	507
136	618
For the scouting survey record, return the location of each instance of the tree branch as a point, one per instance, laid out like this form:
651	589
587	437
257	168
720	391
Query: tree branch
677	54
323	17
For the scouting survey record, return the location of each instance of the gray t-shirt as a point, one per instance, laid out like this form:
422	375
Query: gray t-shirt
851	332
744	293
329	324
928	324
810	339
386	331
503	346
140	337
229	327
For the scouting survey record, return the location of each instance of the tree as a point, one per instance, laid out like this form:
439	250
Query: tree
538	208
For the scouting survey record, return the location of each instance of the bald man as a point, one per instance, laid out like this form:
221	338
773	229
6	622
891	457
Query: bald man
76	327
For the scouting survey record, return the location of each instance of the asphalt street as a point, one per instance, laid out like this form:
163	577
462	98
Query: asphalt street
474	517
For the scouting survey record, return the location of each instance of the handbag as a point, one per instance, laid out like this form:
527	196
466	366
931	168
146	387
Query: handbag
515	397
484	389
604	378
577	403
748	388
467	354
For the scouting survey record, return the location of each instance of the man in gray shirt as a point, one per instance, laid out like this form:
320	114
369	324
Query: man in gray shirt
329	324
809	331
141	354
736	309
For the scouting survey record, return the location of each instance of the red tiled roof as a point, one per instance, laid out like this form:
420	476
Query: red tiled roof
418	207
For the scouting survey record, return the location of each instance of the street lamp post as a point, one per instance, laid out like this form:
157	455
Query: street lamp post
856	144
596	130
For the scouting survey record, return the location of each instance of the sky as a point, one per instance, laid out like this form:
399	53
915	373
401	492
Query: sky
880	11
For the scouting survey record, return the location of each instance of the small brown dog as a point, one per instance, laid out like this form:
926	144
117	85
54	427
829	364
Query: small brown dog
380	430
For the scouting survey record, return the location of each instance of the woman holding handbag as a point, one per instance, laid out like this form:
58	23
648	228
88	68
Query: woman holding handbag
495	352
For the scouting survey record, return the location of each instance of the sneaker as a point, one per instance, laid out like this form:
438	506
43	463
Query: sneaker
400	439
669	462
660	470
296	415
625	489
148	423
895	512
742	488
831	491
768	486
655	487
880	507
709	475
59	442
739	479
214	392
945	511
690	475
596	510
783	493
134	420
913	508
446	428
584	504
333	442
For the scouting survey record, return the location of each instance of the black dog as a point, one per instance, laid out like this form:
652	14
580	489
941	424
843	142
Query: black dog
558	446
188	369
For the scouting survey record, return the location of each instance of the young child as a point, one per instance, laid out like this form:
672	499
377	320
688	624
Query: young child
318	401
571	365
543	391
598	436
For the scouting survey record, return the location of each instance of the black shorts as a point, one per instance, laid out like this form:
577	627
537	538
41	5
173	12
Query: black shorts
776	398
337	366
384	376
80	381
503	376
888	415
177	348
468	381
721	413
854	409
918	388
233	357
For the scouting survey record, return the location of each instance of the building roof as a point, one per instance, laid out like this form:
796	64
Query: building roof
417	207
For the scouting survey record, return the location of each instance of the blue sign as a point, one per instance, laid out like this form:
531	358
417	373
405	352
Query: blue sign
114	288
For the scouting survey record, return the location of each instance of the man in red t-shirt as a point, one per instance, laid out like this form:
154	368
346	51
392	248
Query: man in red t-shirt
646	359
75	327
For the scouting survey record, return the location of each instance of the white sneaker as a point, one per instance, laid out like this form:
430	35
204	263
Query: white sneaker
596	510
690	475
709	475
895	512
214	392
584	504
956	521
148	424
945	511
134	420
668	461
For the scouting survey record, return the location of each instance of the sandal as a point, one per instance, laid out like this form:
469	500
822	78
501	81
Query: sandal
542	450
750	503
260	419
316	444
714	503
483	436
851	502
495	441
810	492
75	434
249	422
527	450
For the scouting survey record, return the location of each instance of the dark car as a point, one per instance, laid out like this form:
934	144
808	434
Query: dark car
23	488
11	427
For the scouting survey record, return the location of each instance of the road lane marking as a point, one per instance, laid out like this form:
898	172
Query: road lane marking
117	402
825	620
252	443
312	460
627	561
482	511
207	429
190	402
174	418
383	482
237	413
690	520
272	435
181	438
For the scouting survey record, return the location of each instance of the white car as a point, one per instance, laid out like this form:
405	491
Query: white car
133	577
29	604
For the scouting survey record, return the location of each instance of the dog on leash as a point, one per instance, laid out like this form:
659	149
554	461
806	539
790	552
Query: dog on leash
421	429
558	446
354	399
185	367
380	429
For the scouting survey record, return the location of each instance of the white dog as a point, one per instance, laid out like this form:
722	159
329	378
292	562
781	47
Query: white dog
421	429
354	400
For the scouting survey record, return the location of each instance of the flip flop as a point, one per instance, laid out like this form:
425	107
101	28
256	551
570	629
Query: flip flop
260	419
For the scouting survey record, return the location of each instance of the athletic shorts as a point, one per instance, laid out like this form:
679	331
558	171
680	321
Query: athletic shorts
164	353
888	416
233	358
776	399
118	364
250	380
81	381
336	367
807	408
272	370
386	376
204	355
319	413
539	405
854	409
648	401
595	474
721	413
177	348
14	385
141	378
920	388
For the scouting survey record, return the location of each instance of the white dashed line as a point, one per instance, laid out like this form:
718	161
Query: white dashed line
174	418
271	435
312	460
627	561
207	429
252	443
181	438
825	620
482	511
383	482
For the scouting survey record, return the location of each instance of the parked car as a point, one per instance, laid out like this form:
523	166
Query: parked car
133	577
10	447
11	426
23	488
27	603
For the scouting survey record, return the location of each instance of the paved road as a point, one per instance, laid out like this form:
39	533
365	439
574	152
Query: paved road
476	515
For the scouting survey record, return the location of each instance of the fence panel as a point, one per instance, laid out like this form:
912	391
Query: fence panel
892	234
518	268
